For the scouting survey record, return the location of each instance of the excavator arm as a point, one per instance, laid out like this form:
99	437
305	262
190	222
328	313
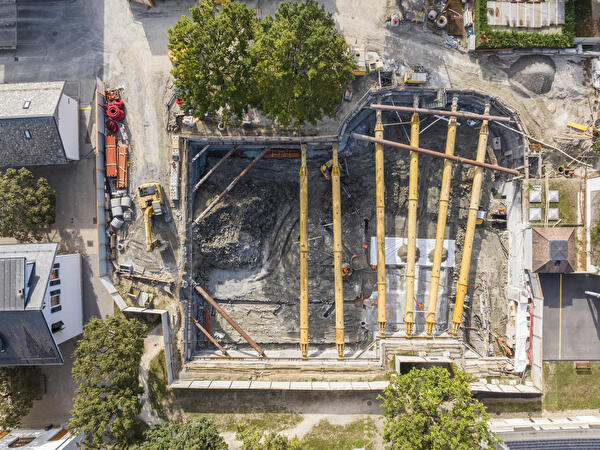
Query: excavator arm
148	213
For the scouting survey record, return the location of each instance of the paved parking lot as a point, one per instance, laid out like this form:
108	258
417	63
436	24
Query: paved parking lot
571	319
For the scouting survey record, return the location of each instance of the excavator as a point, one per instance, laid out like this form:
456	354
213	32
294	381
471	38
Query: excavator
151	201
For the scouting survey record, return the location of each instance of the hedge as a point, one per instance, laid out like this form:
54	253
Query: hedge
487	38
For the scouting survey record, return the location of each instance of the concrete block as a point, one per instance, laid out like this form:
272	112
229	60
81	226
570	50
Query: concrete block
300	386
200	384
320	386
180	384
508	388
240	385
260	385
220	384
494	388
360	386
283	385
378	385
340	385
525	389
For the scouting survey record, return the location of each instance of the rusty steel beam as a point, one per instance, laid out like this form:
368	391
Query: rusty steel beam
215	167
209	337
231	322
425	151
230	187
442	112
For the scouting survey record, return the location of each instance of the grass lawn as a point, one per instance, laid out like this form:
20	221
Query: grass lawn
568	189
261	422
157	384
564	388
325	436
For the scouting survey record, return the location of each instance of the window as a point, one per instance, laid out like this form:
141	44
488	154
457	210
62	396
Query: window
54	292
57	326
55	309
55	300
54	275
28	134
26	104
55	265
54	282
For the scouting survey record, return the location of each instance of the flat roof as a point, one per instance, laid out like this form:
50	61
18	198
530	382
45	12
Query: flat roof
29	99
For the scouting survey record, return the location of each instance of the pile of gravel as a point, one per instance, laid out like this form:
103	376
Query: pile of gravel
535	72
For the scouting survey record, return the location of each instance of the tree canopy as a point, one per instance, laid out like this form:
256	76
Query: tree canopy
18	388
428	409
294	65
26	205
302	63
106	366
200	433
211	61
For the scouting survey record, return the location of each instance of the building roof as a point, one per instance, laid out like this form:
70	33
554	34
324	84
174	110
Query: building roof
553	250
23	328
28	124
8	24
11	275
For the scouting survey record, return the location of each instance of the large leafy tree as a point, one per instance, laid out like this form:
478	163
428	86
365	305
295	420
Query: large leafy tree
211	60
26	205
200	433
428	409
19	386
106	366
302	63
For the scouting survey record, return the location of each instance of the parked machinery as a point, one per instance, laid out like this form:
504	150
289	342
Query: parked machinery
151	202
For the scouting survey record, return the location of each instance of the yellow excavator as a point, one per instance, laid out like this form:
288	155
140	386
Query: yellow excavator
150	201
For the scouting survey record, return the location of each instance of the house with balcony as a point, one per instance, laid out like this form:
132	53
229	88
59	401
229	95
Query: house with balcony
40	303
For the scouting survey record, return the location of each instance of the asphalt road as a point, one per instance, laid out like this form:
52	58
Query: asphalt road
571	319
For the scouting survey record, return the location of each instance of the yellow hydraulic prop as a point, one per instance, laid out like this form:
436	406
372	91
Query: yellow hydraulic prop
380	203
411	245
304	255
441	224
465	264
337	254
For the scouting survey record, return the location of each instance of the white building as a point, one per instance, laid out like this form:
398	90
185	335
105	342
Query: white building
52	439
40	303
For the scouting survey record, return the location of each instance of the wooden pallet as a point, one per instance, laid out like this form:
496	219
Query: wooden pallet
122	166
110	153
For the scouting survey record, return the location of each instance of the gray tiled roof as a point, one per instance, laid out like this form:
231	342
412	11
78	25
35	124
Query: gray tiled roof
43	255
27	339
44	145
8	24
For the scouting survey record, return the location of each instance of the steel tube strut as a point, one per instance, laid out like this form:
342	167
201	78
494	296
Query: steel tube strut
303	255
231	322
215	167
411	244
337	253
426	151
465	265
441	225
380	205
209	337
441	112
231	185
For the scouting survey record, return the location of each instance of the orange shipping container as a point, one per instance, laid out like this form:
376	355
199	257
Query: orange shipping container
110	153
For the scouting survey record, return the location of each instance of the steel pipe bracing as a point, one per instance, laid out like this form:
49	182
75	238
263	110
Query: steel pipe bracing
441	225
441	112
303	254
411	244
380	205
337	253
465	265
426	151
231	322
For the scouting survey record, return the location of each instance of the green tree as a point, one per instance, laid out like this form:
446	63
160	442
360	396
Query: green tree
427	409
211	58
200	433
26	205
19	386
107	368
302	63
